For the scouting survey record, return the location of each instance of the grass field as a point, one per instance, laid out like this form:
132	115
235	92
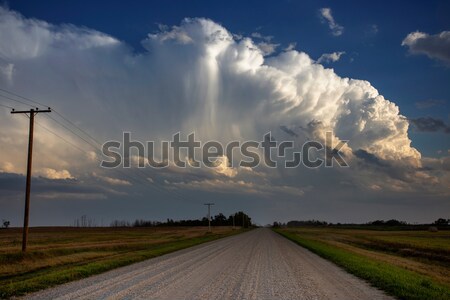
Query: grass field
405	264
58	255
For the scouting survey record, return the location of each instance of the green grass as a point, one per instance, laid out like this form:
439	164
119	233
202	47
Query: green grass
377	268
57	257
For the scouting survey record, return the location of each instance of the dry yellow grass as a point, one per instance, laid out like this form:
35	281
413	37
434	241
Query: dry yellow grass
60	254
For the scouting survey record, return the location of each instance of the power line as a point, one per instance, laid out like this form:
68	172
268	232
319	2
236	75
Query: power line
97	149
6	106
133	178
71	123
39	103
22	97
55	111
57	135
81	130
80	149
94	146
18	101
59	114
153	185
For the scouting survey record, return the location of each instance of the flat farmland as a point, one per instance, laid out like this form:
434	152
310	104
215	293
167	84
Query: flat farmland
60	254
408	264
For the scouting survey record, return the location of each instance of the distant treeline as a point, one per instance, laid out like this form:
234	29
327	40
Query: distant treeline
441	222
240	219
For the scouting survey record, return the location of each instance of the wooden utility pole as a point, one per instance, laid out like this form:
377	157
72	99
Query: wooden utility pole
233	220
209	215
32	113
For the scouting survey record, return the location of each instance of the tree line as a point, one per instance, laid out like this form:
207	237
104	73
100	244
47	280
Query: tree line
441	222
238	219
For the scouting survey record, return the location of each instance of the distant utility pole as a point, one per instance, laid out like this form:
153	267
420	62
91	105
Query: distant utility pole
233	221
243	216
32	113
209	215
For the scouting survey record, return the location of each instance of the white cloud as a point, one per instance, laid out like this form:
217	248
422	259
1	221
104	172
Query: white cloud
92	156
290	47
193	77
115	181
200	77
6	167
330	57
267	48
435	46
258	35
54	174
112	180
38	37
176	34
221	167
327	16
71	196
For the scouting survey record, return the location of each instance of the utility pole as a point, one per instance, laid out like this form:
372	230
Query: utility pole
243	219
209	215
32	113
233	221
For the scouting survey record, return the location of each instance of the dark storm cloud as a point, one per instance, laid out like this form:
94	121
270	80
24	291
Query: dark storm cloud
429	124
435	46
13	184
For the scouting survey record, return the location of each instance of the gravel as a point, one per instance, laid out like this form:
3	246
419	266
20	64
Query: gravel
258	264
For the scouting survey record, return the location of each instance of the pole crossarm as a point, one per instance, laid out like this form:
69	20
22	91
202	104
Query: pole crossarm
31	111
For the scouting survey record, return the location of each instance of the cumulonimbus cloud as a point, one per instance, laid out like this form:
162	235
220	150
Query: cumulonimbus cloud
198	77
193	77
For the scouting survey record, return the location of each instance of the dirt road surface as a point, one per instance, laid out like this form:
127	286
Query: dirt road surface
258	264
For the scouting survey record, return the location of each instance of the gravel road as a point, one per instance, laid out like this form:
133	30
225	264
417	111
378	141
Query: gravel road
259	264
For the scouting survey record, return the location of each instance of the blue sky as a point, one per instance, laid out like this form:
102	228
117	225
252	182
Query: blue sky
141	66
371	54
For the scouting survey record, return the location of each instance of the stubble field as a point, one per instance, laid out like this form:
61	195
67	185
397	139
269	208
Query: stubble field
409	264
60	254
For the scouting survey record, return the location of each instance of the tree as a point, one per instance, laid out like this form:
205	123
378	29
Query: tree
6	223
442	222
219	220
242	219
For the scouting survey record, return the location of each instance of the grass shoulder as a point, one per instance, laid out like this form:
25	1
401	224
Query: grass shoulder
395	280
57	256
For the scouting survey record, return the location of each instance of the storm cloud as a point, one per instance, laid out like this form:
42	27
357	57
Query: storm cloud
192	77
429	124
